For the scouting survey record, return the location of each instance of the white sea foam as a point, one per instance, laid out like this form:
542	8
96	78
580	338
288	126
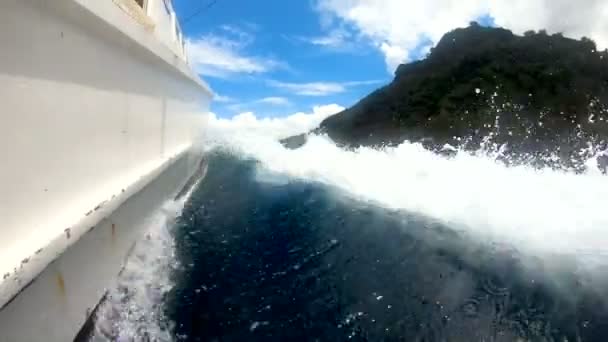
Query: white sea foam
133	309
539	211
542	212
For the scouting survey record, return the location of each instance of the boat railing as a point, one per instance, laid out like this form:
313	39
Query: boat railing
157	16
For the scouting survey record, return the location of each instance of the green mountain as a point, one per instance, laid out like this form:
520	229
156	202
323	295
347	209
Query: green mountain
538	93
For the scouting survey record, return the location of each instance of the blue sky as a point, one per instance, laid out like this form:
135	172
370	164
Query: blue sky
278	57
281	34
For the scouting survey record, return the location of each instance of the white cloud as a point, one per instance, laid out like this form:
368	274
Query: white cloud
277	128
238	33
336	39
318	88
274	100
223	99
312	88
237	107
333	39
397	27
220	56
573	18
393	55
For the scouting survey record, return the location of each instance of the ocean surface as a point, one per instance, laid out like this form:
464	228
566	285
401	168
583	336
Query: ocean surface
400	244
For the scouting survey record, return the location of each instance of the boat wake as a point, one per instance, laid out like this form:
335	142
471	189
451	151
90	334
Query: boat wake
542	211
552	217
133	309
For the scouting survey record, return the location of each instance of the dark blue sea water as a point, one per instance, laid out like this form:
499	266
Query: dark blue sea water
272	259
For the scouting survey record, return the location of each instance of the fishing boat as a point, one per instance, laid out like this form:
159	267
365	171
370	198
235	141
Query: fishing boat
102	119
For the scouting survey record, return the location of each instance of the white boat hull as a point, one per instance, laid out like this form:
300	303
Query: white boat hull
100	117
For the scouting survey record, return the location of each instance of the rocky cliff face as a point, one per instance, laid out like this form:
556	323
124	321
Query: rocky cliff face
539	94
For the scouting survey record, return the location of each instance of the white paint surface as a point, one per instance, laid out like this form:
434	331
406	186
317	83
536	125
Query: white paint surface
92	103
